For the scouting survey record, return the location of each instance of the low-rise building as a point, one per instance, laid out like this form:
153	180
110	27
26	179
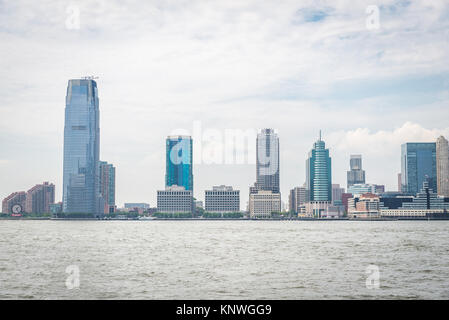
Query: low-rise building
359	189
316	209
14	203
222	199
175	199
263	203
425	204
141	205
366	206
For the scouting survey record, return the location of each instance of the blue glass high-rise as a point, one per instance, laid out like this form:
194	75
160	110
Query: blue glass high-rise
418	164
81	192
319	173
179	156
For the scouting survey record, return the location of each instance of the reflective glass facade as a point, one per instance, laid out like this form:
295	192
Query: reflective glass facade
418	164
81	149
179	159
319	173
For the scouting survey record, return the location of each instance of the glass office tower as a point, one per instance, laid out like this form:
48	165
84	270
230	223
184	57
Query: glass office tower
81	149
179	159
267	168
319	173
418	164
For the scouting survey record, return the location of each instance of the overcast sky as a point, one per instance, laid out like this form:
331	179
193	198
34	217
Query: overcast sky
168	66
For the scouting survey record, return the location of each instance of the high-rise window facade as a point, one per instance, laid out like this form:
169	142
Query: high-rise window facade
107	186
81	149
267	161
443	167
319	173
356	175
179	157
418	164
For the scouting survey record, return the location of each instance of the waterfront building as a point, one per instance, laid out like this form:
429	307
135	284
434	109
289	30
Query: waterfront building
442	149
179	162
366	206
399	182
267	164
418	163
297	197
39	198
425	204
427	198
107	186
55	209
337	193
319	173
317	209
344	200
356	175
175	199
137	205
14	203
263	203
222	199
81	191
359	189
333	212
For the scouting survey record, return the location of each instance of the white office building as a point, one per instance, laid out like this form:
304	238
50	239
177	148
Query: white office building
263	203
175	199
222	199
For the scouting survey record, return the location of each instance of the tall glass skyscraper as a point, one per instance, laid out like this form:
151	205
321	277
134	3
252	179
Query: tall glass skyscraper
179	159
319	173
81	192
418	164
267	168
356	175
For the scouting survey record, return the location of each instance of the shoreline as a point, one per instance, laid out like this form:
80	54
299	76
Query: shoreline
231	219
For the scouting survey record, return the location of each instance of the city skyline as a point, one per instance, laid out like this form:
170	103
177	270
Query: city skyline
304	68
421	164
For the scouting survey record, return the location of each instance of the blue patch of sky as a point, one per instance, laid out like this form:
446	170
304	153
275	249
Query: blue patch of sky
401	92
395	8
311	15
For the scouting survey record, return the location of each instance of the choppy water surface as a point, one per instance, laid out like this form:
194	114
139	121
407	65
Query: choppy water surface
224	259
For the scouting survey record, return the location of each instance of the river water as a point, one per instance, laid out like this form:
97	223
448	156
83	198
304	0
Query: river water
224	260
